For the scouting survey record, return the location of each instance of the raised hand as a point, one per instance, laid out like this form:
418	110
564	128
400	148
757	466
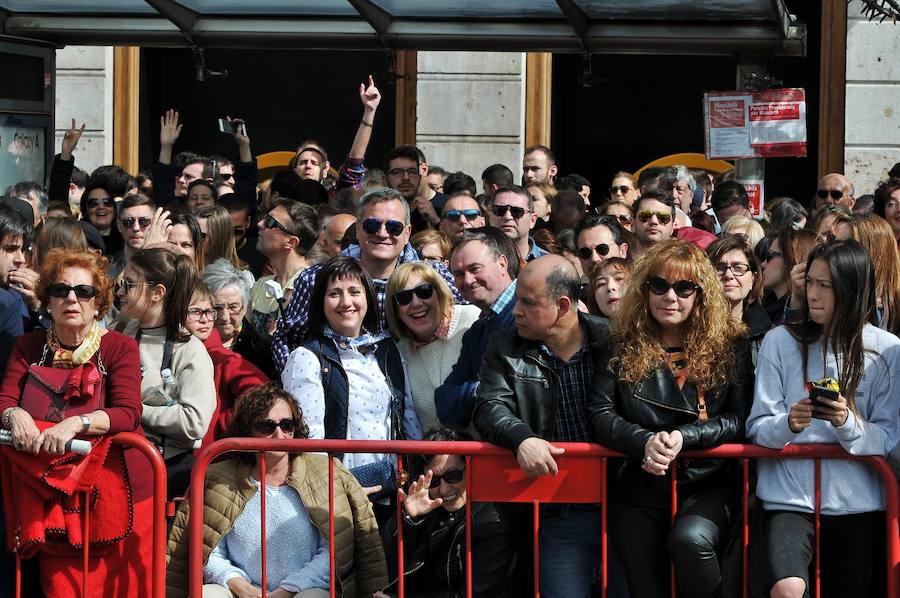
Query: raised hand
158	231
169	128
369	96
70	140
418	502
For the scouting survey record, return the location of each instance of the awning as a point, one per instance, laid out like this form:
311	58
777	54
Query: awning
586	26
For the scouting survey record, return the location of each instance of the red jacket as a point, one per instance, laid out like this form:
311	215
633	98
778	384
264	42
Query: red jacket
233	375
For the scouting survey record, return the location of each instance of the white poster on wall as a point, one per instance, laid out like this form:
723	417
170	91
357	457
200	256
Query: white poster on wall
21	154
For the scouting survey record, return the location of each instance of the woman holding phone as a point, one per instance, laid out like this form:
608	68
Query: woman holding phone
838	338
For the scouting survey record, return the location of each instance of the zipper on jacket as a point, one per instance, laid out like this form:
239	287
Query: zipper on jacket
664	405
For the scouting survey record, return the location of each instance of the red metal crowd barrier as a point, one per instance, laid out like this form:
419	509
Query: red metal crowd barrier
493	475
158	566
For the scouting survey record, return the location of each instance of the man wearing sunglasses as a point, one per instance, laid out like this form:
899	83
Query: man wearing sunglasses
461	212
512	211
599	238
654	220
835	190
134	219
535	381
382	230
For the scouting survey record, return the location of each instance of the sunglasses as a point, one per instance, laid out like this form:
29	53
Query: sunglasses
771	255
82	291
683	288
663	217
423	292
143	222
96	202
834	193
500	211
454	476
623	218
586	253
736	269
271	223
195	314
623	189
393	227
126	285
455	214
266	427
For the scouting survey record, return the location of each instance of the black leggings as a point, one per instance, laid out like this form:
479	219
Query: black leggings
852	560
647	539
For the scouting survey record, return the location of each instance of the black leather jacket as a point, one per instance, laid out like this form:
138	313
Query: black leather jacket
623	417
517	391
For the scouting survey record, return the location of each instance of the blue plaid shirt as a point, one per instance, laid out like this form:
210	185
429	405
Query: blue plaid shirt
293	327
574	383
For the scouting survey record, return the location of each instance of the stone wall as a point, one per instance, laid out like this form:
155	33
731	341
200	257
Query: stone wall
872	116
84	79
471	110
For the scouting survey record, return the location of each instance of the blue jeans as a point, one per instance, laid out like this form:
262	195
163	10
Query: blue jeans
570	553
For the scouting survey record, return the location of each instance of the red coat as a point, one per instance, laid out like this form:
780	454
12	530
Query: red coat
233	375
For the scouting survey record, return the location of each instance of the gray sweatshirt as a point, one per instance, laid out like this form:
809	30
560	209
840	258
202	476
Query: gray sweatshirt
847	486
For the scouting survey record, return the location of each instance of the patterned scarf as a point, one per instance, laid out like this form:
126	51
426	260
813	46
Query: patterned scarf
363	343
68	359
440	333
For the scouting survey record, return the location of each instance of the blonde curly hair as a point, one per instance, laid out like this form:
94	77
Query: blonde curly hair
709	333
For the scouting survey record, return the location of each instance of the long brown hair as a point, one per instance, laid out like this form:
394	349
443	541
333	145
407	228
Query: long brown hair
177	274
220	234
877	236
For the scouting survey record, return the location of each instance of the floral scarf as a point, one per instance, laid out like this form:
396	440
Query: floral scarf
67	358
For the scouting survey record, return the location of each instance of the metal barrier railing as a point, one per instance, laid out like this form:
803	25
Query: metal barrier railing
158	565
493	475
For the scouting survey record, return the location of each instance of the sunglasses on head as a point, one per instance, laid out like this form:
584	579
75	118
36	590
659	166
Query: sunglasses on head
623	189
586	253
143	222
454	476
834	193
500	211
82	291
271	223
683	288
455	214
423	292
393	227
96	202
266	427
663	217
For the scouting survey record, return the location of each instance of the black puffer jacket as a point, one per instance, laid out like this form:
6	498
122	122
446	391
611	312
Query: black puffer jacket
435	553
624	416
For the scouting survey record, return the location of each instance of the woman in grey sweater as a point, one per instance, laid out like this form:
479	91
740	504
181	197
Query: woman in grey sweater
837	339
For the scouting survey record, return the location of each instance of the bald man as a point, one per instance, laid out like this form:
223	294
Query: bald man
334	231
836	190
535	380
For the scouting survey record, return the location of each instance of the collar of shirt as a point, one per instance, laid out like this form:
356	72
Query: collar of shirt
407	255
555	359
506	297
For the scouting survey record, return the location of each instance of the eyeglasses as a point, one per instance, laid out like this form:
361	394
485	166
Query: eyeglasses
500	211
266	427
126	285
82	291
623	189
143	222
455	214
454	476
586	253
271	223
195	314
663	217
771	255
835	194
423	292
736	269
373	225
683	288
96	202
399	172
233	308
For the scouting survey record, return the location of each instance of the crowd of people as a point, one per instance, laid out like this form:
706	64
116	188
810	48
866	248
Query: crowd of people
653	317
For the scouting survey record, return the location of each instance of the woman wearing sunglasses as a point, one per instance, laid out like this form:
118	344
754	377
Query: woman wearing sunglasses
421	314
836	338
434	531
297	517
177	387
349	377
679	377
233	373
787	250
96	370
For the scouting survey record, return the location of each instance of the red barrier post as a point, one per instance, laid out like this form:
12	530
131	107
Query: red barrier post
331	574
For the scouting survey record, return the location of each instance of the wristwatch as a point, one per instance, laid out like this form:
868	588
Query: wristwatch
85	424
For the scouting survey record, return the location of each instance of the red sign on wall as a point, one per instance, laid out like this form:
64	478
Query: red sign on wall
760	124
